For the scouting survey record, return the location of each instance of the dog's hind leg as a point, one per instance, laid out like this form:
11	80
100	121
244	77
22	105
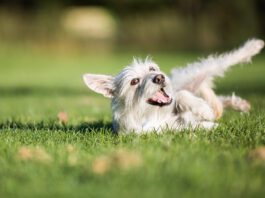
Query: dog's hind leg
218	103
198	77
196	74
213	100
235	103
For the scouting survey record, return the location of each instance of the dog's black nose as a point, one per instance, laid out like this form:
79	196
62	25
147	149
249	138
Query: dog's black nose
159	79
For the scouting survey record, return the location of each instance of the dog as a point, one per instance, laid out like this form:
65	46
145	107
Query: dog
144	99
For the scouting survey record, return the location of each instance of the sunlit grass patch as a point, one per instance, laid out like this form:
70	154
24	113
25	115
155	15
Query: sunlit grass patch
56	136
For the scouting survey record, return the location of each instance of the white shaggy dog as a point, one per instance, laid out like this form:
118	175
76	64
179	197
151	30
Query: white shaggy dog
144	99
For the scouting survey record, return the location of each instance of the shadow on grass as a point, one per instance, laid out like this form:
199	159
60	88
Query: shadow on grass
39	90
99	126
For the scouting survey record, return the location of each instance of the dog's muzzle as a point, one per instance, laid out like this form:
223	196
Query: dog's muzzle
160	98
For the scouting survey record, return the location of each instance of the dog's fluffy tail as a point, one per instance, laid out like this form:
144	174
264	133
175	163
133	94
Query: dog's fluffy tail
196	74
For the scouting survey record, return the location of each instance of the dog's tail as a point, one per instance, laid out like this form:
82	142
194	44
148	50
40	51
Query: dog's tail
203	72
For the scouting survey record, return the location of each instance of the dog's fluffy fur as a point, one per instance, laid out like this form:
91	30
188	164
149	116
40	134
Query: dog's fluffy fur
144	99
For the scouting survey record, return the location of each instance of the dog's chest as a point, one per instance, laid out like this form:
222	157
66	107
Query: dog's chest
158	120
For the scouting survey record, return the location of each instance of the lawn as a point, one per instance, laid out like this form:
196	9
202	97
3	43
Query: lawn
42	157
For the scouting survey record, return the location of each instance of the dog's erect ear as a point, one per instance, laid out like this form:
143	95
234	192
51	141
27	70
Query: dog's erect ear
102	84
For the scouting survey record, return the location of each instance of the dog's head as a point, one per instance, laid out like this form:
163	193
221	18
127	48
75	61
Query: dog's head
140	83
141	94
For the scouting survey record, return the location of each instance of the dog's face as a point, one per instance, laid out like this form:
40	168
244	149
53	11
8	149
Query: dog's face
139	85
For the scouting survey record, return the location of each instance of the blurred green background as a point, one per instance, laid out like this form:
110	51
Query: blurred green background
131	24
46	46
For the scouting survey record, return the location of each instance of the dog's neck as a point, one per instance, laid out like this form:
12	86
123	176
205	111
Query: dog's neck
127	119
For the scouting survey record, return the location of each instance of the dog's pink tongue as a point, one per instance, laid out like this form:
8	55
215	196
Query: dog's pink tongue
160	97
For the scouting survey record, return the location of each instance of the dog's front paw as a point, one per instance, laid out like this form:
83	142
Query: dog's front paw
208	125
199	107
203	111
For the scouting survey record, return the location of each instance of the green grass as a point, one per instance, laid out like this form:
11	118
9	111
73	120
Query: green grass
36	85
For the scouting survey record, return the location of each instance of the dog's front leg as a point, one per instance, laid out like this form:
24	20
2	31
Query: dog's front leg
187	102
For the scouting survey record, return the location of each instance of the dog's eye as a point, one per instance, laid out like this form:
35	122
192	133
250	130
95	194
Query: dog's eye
151	69
135	81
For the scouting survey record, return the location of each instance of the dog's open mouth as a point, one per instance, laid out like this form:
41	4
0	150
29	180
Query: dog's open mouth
160	98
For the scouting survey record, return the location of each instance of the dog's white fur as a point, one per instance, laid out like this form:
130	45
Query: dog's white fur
187	100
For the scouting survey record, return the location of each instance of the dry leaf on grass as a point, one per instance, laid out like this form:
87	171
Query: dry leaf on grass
121	159
70	148
72	155
257	154
41	155
34	154
62	117
126	160
101	165
25	153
